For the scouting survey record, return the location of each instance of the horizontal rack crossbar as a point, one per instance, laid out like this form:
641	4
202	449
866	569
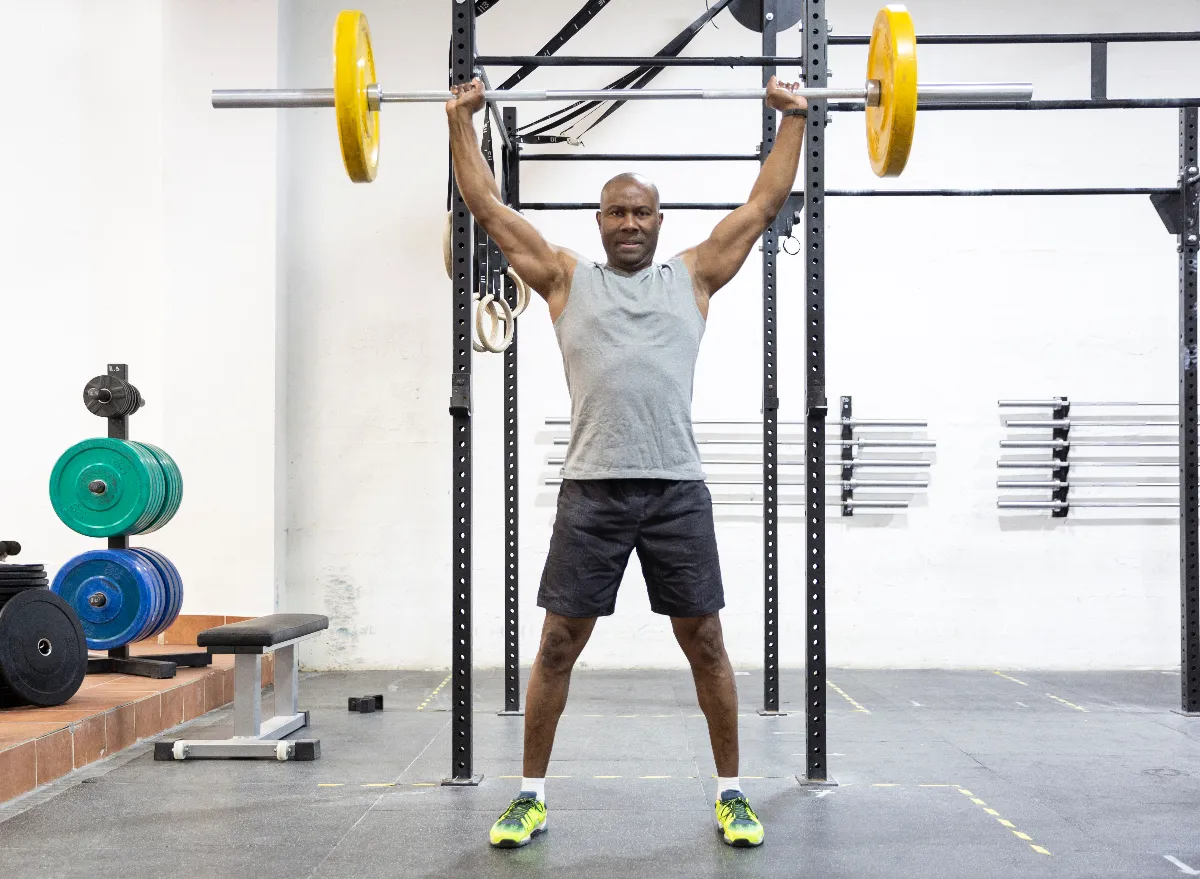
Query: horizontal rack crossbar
1066	444
1061	483
1030	39
640	157
887	193
834	502
639	61
1054	404
952	193
1058	505
862	443
799	482
561	421
1082	462
595	206
882	463
1068	423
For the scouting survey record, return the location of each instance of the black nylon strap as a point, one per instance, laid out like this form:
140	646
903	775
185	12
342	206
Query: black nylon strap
486	147
572	27
638	79
572	111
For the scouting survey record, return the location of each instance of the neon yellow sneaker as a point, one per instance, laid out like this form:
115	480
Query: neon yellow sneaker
524	818
737	822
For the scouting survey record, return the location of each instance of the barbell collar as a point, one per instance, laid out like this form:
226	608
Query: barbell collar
227	99
978	92
265	99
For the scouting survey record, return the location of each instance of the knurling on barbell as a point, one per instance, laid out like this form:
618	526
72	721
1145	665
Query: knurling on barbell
890	94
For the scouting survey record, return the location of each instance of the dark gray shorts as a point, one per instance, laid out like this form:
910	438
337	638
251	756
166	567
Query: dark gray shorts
601	521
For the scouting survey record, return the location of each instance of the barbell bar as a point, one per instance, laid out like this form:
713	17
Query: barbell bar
890	94
302	99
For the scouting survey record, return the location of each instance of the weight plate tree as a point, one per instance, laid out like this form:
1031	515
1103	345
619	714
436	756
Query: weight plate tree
114	487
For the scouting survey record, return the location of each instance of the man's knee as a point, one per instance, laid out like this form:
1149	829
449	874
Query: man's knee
563	639
701	640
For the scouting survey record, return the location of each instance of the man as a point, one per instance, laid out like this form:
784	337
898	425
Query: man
630	333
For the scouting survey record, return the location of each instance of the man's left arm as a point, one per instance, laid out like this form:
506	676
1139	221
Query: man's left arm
715	261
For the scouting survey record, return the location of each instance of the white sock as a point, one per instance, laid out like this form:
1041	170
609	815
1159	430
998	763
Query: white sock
536	786
724	784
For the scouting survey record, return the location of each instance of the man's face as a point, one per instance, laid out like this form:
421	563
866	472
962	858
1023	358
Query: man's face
629	221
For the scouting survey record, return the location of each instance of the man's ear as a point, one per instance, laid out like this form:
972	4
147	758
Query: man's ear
597	219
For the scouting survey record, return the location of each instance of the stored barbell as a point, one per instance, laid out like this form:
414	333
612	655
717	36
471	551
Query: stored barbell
890	94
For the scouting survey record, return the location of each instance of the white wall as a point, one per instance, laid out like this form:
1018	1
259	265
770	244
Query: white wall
303	328
936	309
137	227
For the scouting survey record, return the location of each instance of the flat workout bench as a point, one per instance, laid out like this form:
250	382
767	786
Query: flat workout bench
253	737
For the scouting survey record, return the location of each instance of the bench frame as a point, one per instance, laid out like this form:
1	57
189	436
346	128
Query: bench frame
253	737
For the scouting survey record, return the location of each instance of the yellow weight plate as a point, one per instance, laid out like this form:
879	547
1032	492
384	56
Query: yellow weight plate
353	71
892	60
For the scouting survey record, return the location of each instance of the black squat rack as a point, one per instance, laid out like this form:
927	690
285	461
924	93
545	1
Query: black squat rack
1178	206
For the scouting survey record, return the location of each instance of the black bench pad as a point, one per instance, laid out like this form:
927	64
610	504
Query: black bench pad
263	631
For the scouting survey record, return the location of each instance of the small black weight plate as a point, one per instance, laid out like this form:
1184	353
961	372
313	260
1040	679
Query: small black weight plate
749	13
21	569
43	653
8	588
109	396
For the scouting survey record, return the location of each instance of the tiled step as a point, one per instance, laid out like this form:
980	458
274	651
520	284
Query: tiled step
110	713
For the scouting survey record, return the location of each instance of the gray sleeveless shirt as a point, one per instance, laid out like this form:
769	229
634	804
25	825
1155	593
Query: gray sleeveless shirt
629	345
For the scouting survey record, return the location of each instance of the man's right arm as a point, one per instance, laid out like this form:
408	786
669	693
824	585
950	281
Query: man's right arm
546	268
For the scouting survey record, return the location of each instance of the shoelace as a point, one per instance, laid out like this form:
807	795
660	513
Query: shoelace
739	809
519	809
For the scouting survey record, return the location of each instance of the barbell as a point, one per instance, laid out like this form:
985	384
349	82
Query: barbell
890	94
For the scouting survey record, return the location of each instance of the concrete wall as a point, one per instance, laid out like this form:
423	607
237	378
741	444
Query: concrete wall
292	330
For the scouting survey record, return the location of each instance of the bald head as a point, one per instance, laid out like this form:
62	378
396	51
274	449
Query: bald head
629	218
629	180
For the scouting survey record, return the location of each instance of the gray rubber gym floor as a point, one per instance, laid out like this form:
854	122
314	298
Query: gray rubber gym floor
952	774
